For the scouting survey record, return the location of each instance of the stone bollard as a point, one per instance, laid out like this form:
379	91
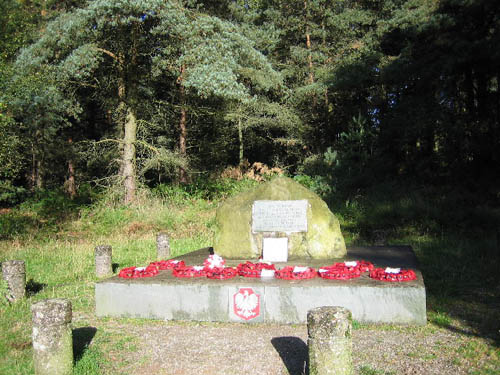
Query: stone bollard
329	341
14	273
163	246
103	265
52	337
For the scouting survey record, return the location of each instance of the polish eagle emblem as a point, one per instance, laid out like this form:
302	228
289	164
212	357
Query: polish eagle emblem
246	304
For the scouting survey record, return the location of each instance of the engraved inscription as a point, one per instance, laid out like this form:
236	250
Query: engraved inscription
279	216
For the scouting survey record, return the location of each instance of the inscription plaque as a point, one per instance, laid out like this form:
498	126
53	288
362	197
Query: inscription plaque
279	216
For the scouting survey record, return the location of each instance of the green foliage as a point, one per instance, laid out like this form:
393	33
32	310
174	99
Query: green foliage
11	194
319	184
15	225
202	188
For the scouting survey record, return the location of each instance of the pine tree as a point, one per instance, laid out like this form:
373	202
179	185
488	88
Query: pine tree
120	51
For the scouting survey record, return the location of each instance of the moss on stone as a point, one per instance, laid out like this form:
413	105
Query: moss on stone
233	230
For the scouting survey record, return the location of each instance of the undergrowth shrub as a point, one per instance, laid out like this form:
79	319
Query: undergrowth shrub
202	188
14	224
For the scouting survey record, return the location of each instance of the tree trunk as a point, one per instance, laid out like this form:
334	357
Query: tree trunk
183	177
308	46
70	183
33	169
129	156
39	177
240	138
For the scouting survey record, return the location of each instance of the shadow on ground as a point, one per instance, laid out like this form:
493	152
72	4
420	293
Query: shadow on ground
33	287
82	337
293	352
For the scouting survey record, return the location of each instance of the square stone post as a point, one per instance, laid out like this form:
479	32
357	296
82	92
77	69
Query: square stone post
103	260
163	246
52	337
14	273
329	341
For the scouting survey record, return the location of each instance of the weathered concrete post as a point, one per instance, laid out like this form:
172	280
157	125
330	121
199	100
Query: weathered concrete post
14	273
329	341
103	262
163	246
52	337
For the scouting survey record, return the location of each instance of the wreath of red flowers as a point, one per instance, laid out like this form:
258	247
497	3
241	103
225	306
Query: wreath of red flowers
287	273
339	272
365	266
249	269
214	261
345	271
188	272
219	273
138	272
168	264
402	275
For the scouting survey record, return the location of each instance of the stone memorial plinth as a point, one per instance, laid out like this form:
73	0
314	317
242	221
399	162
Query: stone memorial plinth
281	208
269	300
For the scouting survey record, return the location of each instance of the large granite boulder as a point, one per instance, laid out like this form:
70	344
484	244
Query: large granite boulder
235	239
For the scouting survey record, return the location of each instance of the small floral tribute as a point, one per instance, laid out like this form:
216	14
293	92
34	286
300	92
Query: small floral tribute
138	272
214	261
261	269
345	270
190	271
296	273
222	273
393	274
168	264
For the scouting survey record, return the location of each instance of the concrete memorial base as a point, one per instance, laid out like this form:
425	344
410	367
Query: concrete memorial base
256	300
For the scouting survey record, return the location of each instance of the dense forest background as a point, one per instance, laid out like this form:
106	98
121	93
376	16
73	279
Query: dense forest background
344	95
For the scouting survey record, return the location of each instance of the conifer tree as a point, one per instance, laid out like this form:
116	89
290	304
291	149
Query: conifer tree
120	51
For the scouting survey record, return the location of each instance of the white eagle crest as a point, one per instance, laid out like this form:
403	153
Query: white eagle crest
246	303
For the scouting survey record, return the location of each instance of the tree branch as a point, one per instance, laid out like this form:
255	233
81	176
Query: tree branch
111	54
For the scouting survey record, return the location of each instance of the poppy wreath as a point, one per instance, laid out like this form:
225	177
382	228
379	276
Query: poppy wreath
219	273
345	270
365	266
138	272
249	269
291	273
168	264
402	275
188	272
214	261
339	271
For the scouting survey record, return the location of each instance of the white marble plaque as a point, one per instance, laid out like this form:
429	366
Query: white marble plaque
275	249
279	216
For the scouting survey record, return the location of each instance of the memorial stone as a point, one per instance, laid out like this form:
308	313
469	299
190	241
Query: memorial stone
281	208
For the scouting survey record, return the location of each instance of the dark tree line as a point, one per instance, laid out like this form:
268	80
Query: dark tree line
350	93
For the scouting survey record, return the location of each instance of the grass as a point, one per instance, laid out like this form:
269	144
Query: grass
460	266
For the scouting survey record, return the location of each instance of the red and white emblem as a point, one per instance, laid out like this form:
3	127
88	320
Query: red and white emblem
246	304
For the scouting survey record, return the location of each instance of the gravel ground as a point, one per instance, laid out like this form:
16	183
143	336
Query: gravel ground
208	349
